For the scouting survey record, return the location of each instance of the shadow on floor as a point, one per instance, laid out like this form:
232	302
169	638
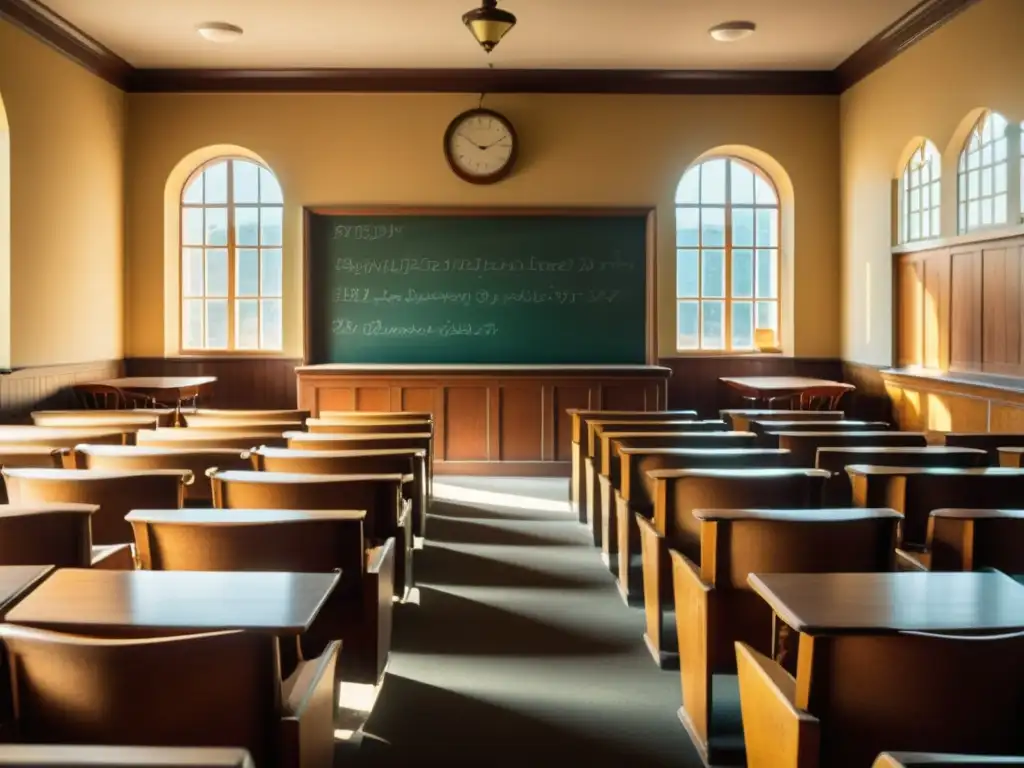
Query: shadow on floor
484	630
461	730
454	568
449	530
460	511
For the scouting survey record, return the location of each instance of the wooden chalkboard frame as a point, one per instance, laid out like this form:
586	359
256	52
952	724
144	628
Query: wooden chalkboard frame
651	278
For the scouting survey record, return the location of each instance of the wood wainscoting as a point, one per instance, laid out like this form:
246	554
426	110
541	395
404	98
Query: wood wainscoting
48	386
926	401
242	382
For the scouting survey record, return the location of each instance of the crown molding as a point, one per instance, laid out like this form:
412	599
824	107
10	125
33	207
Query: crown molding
36	19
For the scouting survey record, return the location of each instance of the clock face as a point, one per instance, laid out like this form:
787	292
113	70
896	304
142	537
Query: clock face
480	146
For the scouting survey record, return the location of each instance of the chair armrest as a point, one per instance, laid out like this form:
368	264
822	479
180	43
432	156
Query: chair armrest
113	557
382	558
696	643
775	731
913	561
308	703
374	645
647	527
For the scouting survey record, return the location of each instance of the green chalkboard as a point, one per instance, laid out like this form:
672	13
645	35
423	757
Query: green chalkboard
491	288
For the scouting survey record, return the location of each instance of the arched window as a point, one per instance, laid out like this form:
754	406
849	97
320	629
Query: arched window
982	175
920	194
727	256
231	267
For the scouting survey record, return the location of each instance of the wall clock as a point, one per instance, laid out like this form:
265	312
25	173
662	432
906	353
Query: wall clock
481	146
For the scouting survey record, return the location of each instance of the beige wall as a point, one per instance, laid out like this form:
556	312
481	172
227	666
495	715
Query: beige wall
576	150
974	61
67	207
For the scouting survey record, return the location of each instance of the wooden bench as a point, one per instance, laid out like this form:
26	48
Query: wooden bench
972	540
137	419
239	426
310	441
370	426
204	439
805	445
985	441
740	418
936	760
14	438
59	534
1010	456
763	426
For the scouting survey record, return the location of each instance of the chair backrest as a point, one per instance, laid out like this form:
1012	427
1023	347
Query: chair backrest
343	417
214	689
271	414
58	534
985	441
311	441
825	397
143	457
836	458
740	418
82	756
107	397
938	760
194	437
603	455
140	419
916	491
869	683
387	461
760	426
370	426
239	425
975	539
64	437
677	492
581	417
706	440
17	456
115	492
805	445
1010	456
596	427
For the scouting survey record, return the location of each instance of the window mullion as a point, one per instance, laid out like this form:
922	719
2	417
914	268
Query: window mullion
232	275
727	305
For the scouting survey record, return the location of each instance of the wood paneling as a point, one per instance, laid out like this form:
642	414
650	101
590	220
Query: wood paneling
1000	310
48	386
565	397
242	382
910	322
964	315
467	423
870	401
936	304
1005	417
521	417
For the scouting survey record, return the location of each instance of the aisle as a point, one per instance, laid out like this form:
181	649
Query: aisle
520	651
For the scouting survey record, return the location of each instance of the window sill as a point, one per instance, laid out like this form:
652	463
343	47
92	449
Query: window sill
981	380
976	236
726	355
226	355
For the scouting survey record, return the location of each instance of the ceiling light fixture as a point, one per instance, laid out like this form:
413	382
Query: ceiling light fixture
219	31
488	24
731	31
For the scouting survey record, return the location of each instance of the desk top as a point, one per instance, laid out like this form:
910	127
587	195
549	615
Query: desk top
296	478
299	453
75	599
780	383
857	470
230	517
39	755
821	603
16	580
157	383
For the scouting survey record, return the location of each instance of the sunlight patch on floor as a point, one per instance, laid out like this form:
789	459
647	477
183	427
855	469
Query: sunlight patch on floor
445	492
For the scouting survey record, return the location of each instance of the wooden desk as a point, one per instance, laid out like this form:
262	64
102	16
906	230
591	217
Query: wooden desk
833	603
764	388
136	602
183	387
18	580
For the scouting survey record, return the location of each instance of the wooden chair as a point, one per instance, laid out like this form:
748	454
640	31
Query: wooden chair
835	459
342	417
805	445
358	611
1010	456
971	540
205	439
388	516
272	414
238	425
985	441
855	693
309	441
916	491
676	493
58	534
579	434
143	457
115	492
762	427
740	418
106	397
715	606
150	419
82	756
600	467
636	488
824	398
15	437
370	426
40	456
386	461
936	760
212	689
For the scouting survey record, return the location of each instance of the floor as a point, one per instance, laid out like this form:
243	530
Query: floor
520	650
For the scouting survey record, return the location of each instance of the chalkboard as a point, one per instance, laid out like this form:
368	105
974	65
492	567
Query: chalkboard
493	288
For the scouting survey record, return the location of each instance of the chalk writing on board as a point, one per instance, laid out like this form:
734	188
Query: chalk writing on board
475	298
406	266
378	328
367	232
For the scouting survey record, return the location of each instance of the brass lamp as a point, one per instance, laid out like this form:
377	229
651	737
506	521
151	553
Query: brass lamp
488	24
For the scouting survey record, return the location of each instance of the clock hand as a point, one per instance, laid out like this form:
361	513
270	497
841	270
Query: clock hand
488	146
470	140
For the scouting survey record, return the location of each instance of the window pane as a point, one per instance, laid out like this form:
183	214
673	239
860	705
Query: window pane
216	272
915	226
217	324
768	227
973	215
712	182
743	227
191	226
270	190
247	324
687	227
768	316
999	214
926	196
194	191
192	324
973	160
712	229
986	181
688	274
765	194
688	190
743	274
713	325
270	265
986	211
216	226
743	325
742	180
216	183
272	336
247	226
986	155
962	185
767	274
688	324
246	177
247	279
192	272
999	150
713	274
1000	178
962	219
270	226
915	199
935	223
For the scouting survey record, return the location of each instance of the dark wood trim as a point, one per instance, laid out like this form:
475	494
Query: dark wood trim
38	20
916	24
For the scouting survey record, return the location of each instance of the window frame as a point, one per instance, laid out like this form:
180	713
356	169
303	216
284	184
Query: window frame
727	249
231	350
925	155
963	200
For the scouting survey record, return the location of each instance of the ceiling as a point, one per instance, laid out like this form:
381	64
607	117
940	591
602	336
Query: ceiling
603	34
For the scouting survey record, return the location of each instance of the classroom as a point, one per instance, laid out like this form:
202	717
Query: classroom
511	381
